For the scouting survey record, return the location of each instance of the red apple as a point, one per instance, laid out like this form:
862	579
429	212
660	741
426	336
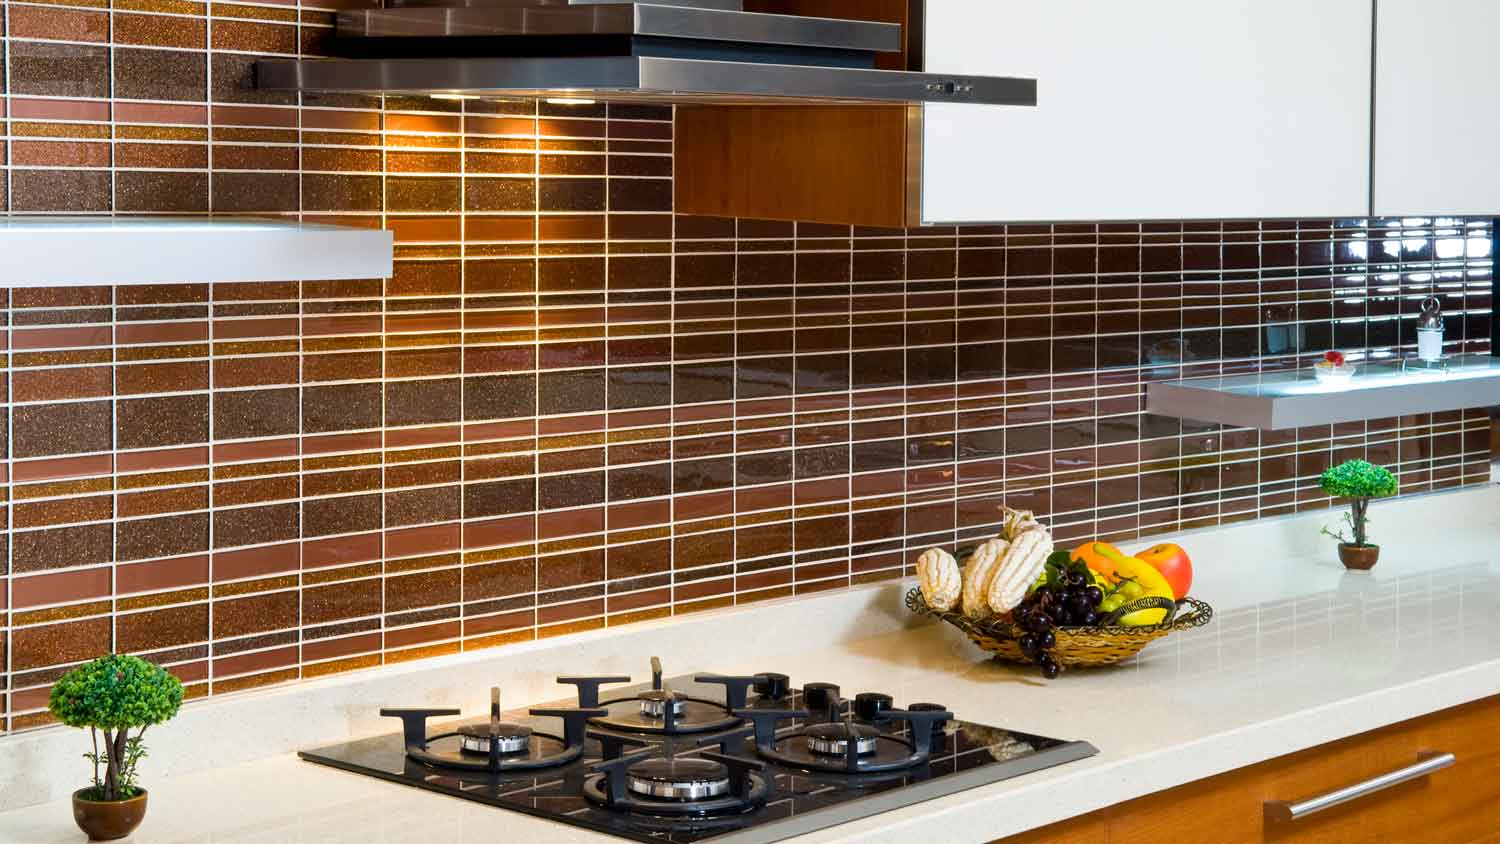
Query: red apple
1173	563
1336	358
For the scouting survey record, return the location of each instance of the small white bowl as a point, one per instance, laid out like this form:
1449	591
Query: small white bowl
1327	373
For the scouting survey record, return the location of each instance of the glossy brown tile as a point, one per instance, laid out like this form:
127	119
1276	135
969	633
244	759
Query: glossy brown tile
566	392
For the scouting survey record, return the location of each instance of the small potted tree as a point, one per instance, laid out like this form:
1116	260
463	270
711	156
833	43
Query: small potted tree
1357	482
111	696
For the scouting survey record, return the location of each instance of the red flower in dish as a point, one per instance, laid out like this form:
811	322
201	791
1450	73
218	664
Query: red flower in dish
1335	358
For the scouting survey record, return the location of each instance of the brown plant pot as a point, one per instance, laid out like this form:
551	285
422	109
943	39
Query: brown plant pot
1358	557
106	820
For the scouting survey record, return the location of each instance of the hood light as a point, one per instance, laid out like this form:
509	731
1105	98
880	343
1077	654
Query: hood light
569	101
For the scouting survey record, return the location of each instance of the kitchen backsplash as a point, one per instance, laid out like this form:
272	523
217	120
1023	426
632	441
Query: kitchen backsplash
570	408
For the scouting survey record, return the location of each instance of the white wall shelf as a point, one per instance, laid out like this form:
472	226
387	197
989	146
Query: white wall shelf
68	251
1279	400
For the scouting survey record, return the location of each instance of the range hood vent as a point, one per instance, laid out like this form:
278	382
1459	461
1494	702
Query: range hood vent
675	51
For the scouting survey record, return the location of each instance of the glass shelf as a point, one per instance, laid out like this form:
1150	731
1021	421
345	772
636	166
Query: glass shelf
46	251
1279	400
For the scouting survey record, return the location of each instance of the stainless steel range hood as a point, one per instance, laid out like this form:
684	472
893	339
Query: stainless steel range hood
671	51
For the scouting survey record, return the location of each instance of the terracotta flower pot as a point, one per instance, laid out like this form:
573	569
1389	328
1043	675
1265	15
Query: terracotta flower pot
1358	557
106	820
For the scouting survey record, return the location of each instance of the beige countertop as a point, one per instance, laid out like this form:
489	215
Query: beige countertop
1299	654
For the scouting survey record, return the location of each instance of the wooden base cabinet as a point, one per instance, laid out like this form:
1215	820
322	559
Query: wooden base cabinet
1459	804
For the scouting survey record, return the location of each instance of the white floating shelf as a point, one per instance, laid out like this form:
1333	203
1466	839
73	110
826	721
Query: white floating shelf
68	251
1279	400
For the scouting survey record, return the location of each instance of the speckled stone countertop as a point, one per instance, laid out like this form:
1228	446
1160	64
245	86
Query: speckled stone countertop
1299	654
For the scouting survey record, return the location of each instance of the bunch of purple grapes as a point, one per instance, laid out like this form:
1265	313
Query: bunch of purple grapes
1068	600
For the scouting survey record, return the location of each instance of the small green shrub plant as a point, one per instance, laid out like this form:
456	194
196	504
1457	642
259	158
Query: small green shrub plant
111	696
1357	481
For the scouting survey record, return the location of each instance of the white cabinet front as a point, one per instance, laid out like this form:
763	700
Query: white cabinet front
1153	109
1437	107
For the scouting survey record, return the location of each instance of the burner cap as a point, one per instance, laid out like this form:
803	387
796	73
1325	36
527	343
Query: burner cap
678	779
833	739
654	703
475	738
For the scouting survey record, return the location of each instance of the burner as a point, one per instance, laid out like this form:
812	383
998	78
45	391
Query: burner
826	747
701	786
654	703
476	738
678	779
649	712
833	739
493	746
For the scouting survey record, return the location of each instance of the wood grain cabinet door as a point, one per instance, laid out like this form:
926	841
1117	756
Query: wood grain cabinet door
1457	805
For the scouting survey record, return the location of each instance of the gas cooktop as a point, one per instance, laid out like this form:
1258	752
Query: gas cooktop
705	758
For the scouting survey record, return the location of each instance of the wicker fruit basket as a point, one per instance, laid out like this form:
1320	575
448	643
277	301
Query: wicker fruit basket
1076	646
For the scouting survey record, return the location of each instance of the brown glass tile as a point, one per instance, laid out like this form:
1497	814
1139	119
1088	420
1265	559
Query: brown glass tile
422	402
342	549
60	588
161	574
165	628
254	614
252	36
59	511
243	414
143	74
421	590
162	421
58	70
253	525
340	407
54	644
348	514
499	498
421	506
167	536
255	192
54	548
351	599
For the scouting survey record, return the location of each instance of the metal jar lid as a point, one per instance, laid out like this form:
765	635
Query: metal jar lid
1432	315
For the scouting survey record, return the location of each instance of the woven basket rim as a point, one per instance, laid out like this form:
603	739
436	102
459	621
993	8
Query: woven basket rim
1198	614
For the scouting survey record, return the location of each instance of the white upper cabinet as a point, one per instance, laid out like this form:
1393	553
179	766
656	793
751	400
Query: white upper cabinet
1164	108
1437	110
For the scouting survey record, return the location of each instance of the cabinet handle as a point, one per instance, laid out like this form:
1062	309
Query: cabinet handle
1428	763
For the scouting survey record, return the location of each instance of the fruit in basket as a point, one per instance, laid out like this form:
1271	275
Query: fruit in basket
942	584
1098	556
977	575
1016	522
1023	560
1068	597
1136	580
1173	563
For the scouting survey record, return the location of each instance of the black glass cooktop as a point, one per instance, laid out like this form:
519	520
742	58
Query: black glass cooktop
783	795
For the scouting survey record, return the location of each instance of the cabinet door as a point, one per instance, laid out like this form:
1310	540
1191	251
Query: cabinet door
1152	109
1452	806
1437	113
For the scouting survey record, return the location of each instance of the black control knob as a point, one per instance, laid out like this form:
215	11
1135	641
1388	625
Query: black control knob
771	685
868	705
818	697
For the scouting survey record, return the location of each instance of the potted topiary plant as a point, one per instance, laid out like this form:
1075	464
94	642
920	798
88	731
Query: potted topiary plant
111	696
1357	481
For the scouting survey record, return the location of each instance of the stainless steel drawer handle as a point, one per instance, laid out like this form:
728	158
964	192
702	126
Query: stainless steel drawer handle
1429	763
